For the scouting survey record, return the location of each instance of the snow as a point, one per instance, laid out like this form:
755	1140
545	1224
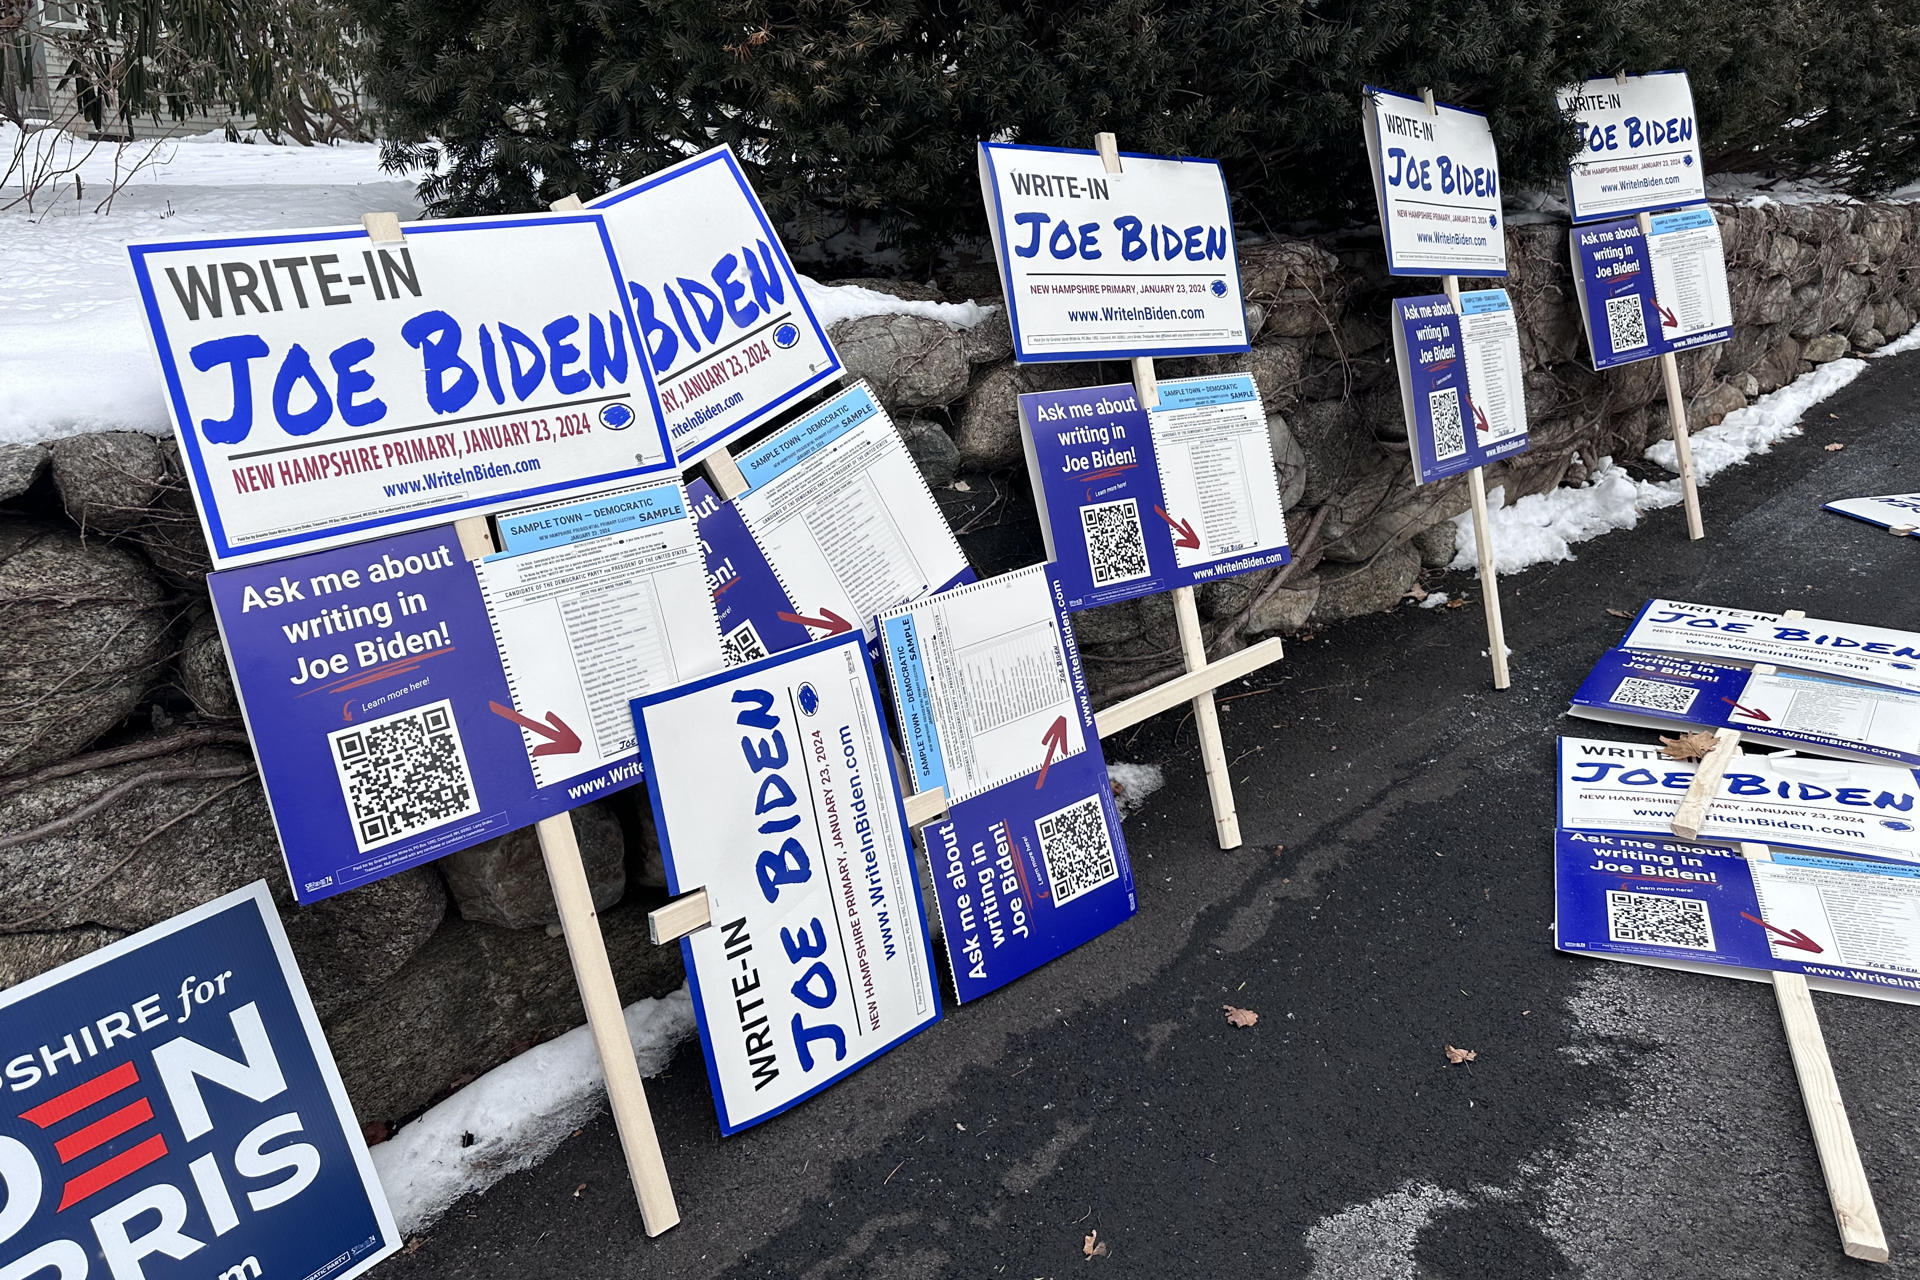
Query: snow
1434	599
1543	527
74	353
1134	783
516	1115
833	303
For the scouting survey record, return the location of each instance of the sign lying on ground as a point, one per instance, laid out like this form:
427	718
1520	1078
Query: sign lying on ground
1105	266
1460	381
326	388
1654	293
1832	717
773	788
1436	183
1639	148
1899	512
1849	927
727	328
838	508
172	1113
405	703
1829	806
1875	655
756	618
986	683
1135	503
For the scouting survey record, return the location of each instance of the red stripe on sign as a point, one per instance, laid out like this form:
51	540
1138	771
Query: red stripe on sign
108	1172
75	1145
82	1096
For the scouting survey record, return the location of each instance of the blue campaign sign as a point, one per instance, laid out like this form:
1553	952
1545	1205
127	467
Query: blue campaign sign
1849	927
756	618
1614	280
172	1113
405	702
1133	504
727	326
773	789
1460	383
1098	265
1830	717
1028	871
326	388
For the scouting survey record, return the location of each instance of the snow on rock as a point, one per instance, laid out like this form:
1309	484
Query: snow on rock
74	353
1133	783
516	1115
1542	528
833	303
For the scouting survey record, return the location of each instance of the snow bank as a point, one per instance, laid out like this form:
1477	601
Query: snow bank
833	303
1542	528
516	1115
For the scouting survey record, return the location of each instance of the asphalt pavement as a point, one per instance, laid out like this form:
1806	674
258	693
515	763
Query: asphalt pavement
1393	896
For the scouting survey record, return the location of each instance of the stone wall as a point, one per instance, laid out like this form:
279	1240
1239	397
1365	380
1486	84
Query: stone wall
127	793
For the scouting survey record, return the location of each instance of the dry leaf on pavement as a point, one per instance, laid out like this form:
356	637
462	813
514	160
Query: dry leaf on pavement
1688	746
1240	1017
1619	613
1457	1056
1092	1246
1835	447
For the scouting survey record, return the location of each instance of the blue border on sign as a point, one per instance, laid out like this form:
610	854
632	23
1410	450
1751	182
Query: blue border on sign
1380	185
727	1125
1573	210
427	516
1020	354
724	153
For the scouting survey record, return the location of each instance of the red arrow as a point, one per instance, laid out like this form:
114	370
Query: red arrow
1667	319
560	740
828	621
1752	713
1797	940
1055	741
1480	422
1188	538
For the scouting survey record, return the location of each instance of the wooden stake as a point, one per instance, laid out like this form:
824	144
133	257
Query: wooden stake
1165	697
1847	1187
1213	753
599	995
1677	411
1483	535
1692	813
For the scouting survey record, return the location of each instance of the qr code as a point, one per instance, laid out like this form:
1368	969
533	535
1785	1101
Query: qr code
403	774
1077	849
1659	920
742	645
1655	695
1449	433
1116	549
1626	323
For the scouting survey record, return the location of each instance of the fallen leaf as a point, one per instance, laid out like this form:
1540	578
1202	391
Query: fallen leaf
1457	1056
577	1190
1835	447
1619	613
1688	746
1092	1246
1279	848
1455	603
374	1132
1415	592
1240	1017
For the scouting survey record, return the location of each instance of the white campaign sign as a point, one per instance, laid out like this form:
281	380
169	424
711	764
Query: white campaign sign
1105	266
1689	273
1496	376
1857	915
1875	655
727	327
326	388
1216	468
1436	181
1832	806
1639	148
1897	511
773	789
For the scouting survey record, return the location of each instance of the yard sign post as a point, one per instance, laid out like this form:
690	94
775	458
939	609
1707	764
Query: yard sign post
1677	414
1482	526
1846	1178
